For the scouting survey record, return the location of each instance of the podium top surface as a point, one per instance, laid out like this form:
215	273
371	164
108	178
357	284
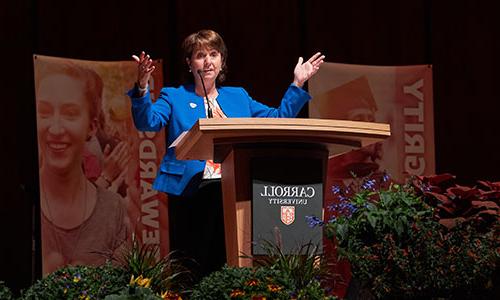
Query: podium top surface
337	136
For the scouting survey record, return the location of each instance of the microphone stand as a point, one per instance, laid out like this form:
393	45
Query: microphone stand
209	106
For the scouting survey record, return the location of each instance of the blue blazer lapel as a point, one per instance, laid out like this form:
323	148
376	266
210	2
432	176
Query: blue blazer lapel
195	103
231	105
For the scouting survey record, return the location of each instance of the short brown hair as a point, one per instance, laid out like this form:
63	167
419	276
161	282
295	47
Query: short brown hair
206	38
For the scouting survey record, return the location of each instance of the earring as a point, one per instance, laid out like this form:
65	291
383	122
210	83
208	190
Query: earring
189	70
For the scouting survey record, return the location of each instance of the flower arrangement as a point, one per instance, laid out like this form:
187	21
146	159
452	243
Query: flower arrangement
242	283
145	265
79	282
304	268
140	289
274	276
428	238
398	246
137	274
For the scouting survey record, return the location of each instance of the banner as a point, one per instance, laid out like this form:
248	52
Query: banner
96	170
400	96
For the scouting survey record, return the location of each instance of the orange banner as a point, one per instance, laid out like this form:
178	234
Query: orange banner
400	96
96	170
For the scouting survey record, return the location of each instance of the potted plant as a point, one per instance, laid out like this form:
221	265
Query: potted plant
276	275
78	282
398	248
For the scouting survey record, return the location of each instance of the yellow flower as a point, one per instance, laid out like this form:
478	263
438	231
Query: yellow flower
140	281
252	282
76	279
168	295
236	293
274	288
144	282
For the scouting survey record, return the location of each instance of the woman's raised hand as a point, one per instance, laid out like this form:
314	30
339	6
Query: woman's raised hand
115	161
304	71
144	69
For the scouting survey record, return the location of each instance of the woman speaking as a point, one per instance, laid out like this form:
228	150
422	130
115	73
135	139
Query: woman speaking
193	186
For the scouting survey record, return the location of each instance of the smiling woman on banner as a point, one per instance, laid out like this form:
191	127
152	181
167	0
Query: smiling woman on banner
82	223
195	197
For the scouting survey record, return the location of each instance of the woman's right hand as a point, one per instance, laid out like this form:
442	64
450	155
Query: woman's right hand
115	161
145	68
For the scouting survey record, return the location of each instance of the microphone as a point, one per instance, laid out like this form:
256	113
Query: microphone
209	107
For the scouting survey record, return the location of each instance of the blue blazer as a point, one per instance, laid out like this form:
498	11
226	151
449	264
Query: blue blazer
178	109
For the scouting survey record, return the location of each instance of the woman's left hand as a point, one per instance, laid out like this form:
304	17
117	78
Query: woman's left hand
115	161
304	71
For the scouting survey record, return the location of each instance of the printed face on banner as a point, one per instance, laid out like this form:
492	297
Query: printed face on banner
400	96
287	214
93	192
63	122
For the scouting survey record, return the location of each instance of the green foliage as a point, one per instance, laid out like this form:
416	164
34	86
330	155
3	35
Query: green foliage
134	293
276	275
376	213
5	293
313	291
303	268
398	248
165	273
153	277
78	282
242	283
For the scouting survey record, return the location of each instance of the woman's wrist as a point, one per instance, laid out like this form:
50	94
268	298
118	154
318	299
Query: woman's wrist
140	91
298	84
106	179
140	87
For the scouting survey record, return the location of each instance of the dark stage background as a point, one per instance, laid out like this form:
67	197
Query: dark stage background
459	38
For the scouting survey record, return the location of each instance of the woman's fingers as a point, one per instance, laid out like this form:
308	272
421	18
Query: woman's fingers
145	67
147	64
143	59
314	57
125	160
122	155
318	61
123	152
120	150
117	148
299	63
139	58
107	149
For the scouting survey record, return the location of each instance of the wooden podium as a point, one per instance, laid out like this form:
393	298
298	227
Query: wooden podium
236	142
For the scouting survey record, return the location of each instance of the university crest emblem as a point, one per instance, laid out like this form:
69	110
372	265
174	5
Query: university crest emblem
287	214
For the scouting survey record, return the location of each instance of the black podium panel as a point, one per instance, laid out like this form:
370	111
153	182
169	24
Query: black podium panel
285	191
